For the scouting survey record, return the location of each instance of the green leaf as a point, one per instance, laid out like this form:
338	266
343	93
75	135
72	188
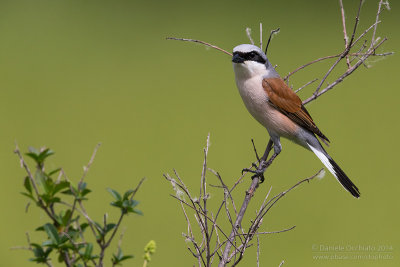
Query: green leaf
88	251
54	171
65	238
84	226
85	191
40	228
54	200
138	212
134	203
40	254
126	257
126	204
109	227
128	193
39	157
115	194
33	150
48	199
43	155
116	204
33	156
44	182
82	186
119	257
60	186
28	195
65	217
52	233
69	192
37	250
27	184
99	229
49	243
131	207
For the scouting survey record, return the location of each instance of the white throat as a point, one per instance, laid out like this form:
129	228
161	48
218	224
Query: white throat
250	69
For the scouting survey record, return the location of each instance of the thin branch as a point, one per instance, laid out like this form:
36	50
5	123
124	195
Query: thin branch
343	76
343	54
277	232
28	171
85	172
346	38
208	218
200	42
248	33
205	197
239	218
264	211
302	87
355	26
182	186
272	33
258	251
261	37
87	167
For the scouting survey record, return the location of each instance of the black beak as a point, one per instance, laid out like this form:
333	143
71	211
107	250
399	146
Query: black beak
237	58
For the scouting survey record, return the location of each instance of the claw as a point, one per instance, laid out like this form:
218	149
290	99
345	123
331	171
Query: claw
248	170
257	173
261	176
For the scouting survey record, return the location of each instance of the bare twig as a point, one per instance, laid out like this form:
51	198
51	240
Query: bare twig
343	76
343	54
248	33
261	36
272	33
258	251
85	171
200	42
87	167
239	218
346	38
205	197
302	87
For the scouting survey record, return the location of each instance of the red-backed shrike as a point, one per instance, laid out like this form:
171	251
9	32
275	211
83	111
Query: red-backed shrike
273	104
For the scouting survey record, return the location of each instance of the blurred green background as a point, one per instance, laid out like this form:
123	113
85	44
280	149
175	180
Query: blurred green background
75	73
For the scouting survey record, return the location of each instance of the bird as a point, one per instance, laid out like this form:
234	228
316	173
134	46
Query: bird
278	108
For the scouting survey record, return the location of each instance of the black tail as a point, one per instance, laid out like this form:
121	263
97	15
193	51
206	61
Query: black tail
344	180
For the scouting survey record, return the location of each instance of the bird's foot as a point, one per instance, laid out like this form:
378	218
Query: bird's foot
258	172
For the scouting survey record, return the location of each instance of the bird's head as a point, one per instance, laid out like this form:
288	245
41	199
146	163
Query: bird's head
250	60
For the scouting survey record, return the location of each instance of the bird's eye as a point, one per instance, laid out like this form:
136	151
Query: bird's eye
253	55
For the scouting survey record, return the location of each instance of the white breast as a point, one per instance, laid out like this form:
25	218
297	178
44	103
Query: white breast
249	83
256	99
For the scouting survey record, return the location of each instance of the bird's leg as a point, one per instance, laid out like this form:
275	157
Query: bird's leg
263	164
267	150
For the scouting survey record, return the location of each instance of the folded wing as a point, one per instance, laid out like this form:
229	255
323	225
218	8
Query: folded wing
286	101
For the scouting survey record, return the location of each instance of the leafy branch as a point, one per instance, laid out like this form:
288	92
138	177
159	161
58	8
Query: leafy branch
66	233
